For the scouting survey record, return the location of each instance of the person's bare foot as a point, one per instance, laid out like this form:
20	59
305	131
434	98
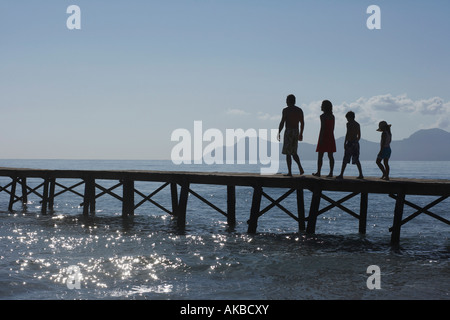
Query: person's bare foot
360	177
288	175
316	174
330	175
339	177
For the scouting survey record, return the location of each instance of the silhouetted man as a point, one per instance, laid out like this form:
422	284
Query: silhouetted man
292	116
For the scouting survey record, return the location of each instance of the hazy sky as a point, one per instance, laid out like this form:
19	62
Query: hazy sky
138	70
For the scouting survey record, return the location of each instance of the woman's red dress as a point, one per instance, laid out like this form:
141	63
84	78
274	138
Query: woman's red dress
326	138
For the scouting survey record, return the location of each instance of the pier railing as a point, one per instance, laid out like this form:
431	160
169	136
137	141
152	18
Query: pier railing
180	184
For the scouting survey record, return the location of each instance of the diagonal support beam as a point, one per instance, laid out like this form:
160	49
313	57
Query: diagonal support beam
148	198
7	186
421	210
277	203
68	189
34	190
207	202
338	204
109	191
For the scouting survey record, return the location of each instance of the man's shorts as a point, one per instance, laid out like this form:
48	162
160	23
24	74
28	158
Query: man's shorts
290	141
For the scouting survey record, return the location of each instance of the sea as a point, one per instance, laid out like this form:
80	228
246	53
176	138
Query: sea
66	256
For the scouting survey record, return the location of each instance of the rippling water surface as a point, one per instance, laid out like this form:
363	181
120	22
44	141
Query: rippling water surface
145	257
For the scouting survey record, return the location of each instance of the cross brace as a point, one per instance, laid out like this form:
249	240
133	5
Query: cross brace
421	210
255	211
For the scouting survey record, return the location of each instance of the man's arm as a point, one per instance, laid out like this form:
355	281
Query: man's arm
302	126
358	135
281	126
347	134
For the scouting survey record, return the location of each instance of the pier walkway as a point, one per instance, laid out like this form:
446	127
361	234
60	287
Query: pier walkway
181	185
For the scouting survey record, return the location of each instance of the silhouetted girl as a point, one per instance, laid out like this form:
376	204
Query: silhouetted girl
326	141
385	149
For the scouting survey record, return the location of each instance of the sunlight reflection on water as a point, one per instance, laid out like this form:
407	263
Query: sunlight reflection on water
145	257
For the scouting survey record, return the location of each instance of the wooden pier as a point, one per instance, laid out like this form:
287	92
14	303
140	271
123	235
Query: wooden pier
181	186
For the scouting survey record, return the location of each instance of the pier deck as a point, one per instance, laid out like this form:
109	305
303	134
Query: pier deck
178	181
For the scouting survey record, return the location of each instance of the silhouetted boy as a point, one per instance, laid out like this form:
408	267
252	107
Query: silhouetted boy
351	145
292	116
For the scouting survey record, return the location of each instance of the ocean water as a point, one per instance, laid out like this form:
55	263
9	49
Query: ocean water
146	257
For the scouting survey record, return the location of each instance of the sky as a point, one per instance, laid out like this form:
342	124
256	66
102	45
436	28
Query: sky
138	70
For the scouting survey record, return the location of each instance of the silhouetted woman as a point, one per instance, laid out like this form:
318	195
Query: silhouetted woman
326	141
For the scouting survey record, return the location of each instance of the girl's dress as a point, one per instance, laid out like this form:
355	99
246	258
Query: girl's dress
327	143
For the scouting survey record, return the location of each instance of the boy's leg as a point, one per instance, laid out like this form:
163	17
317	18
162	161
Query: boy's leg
345	160
344	165
358	164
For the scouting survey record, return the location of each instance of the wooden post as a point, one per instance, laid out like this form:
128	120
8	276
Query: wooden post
92	197
86	197
314	210
398	213
363	213
128	198
174	194
45	197
254	212
301	210
13	194
23	182
89	195
231	205
51	196
182	204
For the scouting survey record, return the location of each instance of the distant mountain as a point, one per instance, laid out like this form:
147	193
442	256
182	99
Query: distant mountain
423	145
431	145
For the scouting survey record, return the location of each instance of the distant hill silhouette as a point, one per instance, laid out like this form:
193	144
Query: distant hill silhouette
423	145
431	144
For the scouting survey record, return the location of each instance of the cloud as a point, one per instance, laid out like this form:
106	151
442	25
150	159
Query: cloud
237	112
260	115
267	116
370	110
443	122
432	106
401	103
389	103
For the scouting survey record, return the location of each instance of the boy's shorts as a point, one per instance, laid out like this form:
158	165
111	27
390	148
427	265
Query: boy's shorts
351	152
